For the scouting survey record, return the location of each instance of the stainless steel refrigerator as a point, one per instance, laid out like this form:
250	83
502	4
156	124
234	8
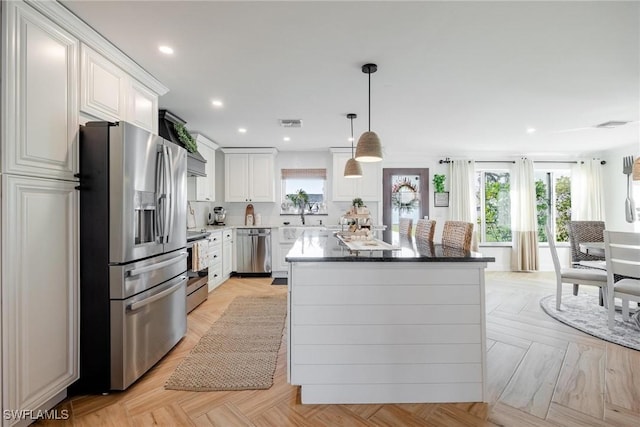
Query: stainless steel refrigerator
133	259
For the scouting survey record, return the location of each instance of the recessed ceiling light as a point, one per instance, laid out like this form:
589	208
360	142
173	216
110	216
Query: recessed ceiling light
166	50
286	139
531	130
242	130
350	139
216	103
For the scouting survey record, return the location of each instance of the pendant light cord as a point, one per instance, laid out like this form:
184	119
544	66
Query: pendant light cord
369	100
352	137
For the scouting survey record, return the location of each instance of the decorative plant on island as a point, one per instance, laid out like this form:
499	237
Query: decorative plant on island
438	182
357	204
299	199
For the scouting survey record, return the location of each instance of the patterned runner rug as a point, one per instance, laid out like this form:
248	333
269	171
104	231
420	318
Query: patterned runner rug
240	350
583	312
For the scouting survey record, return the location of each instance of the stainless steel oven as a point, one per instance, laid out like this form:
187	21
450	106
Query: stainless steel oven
197	286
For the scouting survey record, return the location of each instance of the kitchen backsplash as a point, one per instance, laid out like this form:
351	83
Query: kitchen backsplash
270	213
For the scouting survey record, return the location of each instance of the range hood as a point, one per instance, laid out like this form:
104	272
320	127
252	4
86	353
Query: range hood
195	161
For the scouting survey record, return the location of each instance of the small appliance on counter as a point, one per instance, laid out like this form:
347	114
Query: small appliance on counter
218	216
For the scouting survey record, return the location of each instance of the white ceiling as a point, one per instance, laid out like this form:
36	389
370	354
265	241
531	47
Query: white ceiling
453	78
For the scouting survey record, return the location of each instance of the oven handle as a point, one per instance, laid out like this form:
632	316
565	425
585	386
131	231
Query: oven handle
137	305
148	268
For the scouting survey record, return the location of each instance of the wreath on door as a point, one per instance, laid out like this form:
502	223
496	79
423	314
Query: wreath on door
405	196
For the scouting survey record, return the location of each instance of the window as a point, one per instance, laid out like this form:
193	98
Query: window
493	204
553	200
312	182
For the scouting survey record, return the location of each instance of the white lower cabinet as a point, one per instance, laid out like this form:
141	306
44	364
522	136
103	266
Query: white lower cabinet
227	253
215	259
40	286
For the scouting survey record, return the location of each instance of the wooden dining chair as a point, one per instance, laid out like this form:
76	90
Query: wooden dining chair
622	254
457	234
405	227
581	276
579	232
425	229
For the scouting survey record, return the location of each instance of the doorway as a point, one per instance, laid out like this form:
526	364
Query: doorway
405	194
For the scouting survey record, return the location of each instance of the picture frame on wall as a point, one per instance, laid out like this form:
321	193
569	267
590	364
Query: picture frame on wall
441	200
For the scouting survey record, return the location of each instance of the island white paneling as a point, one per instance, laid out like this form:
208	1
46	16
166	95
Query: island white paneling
387	332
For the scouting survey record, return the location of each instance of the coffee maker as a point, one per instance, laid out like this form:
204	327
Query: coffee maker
218	216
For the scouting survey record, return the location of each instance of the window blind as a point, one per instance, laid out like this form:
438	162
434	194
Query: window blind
303	173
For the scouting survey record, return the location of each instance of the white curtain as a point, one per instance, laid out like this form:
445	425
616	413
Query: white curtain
587	191
462	205
524	227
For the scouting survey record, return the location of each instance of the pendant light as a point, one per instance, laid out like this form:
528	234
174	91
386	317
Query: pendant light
369	148
352	169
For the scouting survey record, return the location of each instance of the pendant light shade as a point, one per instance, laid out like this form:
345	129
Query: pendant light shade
352	169
369	148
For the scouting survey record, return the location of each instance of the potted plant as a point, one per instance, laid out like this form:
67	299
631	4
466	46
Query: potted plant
438	182
440	197
357	204
299	199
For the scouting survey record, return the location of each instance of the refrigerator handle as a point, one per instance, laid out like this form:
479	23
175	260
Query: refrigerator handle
137	271
160	195
170	181
139	304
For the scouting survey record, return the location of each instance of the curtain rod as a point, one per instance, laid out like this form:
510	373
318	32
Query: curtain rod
447	160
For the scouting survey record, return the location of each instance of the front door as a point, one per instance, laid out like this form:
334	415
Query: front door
405	194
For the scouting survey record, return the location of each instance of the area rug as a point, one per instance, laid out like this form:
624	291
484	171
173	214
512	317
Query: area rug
583	312
240	350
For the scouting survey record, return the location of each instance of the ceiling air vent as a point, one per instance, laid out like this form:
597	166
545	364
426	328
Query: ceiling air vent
611	124
290	123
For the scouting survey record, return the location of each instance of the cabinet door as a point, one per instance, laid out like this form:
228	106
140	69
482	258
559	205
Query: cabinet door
227	253
369	187
40	87
103	87
344	189
205	186
142	109
236	173
40	286
261	178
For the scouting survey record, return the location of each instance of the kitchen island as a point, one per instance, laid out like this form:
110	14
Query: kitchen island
385	326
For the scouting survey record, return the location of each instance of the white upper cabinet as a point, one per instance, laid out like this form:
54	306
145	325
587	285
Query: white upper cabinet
103	87
249	175
368	188
204	188
109	93
40	88
142	107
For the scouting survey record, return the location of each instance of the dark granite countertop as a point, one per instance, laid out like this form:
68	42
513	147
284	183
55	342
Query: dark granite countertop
324	246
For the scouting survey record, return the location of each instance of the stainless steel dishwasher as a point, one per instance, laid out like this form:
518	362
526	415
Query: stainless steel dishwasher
254	251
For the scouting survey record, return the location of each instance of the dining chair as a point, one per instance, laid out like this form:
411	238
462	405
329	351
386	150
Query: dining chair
457	234
622	254
405	227
581	276
425	229
584	231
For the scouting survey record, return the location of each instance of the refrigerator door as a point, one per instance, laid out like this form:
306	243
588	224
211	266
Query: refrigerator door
144	328
135	156
175	234
126	280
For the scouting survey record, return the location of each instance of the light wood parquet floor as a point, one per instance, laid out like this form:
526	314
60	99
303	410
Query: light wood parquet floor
540	373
